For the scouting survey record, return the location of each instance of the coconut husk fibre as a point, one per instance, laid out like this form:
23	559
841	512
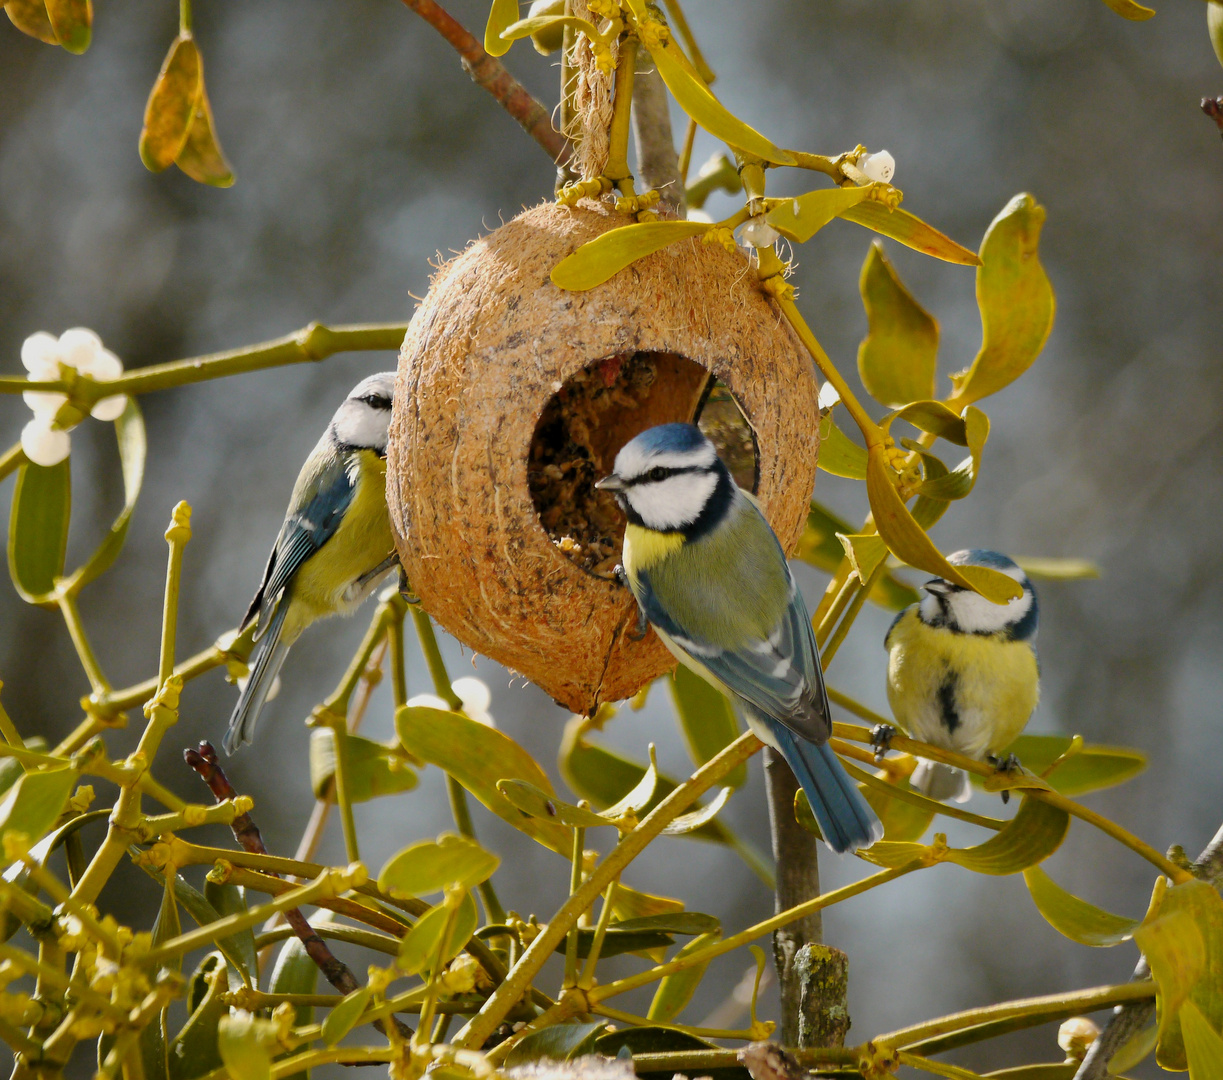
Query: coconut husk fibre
484	363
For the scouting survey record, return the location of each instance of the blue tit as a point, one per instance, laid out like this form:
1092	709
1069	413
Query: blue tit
709	574
334	546
962	671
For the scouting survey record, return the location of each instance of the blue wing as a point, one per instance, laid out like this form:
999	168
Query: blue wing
320	498
779	677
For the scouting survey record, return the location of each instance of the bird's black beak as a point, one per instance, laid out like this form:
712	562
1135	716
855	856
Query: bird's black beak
938	587
611	483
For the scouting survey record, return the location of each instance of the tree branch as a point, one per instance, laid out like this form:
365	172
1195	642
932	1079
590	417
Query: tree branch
246	832
488	72
657	161
1131	1018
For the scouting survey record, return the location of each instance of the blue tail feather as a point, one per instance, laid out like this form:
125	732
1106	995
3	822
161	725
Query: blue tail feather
844	816
268	657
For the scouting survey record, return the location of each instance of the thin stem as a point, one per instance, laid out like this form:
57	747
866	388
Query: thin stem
831	591
435	971
703	956
617	169
699	1032
1178	875
11	459
587	979
458	796
477	1031
825	621
575	883
870	430
80	641
327	885
184	16
680	22
177	536
1039	1009
895	791
488	72
394	644
8	731
851	613
685	153
938	1068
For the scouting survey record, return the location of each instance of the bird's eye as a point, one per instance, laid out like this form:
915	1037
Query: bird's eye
658	473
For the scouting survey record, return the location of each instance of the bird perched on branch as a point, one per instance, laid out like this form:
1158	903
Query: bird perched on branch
709	574
334	546
963	673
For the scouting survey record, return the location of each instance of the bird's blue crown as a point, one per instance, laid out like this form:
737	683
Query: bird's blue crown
670	438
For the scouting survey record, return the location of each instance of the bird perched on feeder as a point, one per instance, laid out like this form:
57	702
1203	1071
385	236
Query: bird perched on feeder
334	546
962	671
709	574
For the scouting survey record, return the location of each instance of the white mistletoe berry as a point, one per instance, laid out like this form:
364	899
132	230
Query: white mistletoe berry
880	167
476	698
42	354
43	443
758	233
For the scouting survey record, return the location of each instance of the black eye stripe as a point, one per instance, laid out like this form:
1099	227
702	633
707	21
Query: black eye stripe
667	473
376	401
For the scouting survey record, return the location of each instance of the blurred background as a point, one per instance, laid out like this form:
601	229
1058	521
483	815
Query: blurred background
363	151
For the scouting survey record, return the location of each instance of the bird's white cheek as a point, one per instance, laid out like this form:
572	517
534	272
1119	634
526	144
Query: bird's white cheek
976	615
674	502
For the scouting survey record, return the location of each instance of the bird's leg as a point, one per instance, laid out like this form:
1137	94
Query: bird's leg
371	575
1009	764
881	739
643	624
405	587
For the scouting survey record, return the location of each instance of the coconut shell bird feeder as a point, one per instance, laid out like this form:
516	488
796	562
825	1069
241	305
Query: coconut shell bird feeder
513	397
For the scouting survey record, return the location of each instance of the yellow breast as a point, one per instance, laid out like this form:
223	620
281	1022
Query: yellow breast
644	548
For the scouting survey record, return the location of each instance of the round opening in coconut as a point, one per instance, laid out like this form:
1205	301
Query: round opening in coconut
513	398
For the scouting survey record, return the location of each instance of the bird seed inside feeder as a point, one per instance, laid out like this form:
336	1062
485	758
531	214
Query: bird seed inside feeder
595	413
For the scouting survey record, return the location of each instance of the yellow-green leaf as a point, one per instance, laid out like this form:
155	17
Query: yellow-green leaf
1031	836
1184	947
706	719
960	480
676	990
909	543
1136	1049
477	757
247	1044
800	218
897	358
421	944
372	769
171	104
1130	9
559	1042
428	866
167	925
133	450
820	547
1015	298
839	455
698	102
227	899
935	418
1092	768
193	1051
72	21
548	39
30	17
38	529
1203	1045
502	15
32	805
632	903
201	157
911	231
1073	917
1058	569
605	777
549	25
1214	26
534	802
865	552
598	259
696	819
642	797
343	1018
295	973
